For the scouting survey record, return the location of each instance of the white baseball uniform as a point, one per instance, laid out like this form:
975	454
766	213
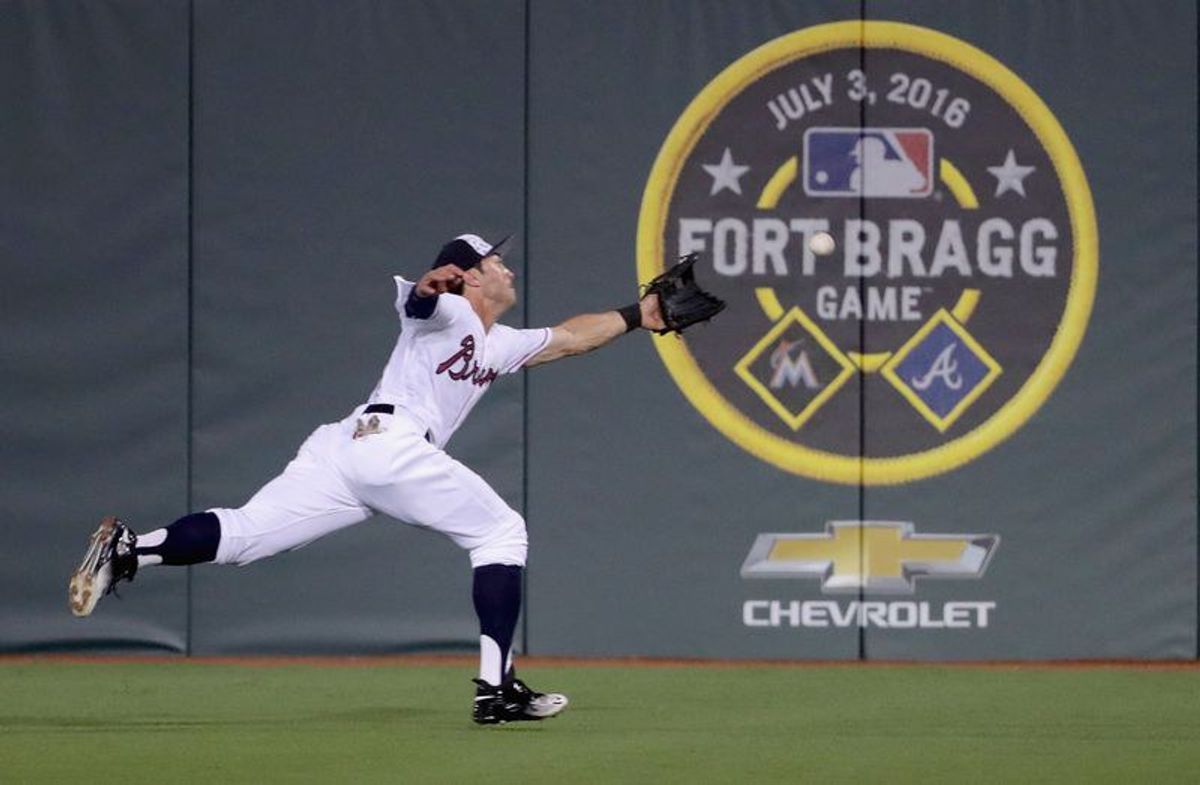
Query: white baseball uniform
394	463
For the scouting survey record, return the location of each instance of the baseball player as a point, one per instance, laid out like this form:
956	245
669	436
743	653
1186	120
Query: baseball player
389	456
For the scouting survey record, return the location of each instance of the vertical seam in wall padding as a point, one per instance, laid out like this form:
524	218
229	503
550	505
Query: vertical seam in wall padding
525	297
862	348
191	24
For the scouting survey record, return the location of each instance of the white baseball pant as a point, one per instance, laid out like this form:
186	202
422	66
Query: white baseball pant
337	480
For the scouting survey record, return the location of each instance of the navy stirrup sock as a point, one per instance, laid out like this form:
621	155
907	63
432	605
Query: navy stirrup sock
192	539
497	595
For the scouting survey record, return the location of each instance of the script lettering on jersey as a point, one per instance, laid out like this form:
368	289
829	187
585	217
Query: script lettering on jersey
461	365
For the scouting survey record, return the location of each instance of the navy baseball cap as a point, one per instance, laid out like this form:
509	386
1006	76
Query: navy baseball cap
467	250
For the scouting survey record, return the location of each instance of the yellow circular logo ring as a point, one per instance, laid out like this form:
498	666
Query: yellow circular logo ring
822	464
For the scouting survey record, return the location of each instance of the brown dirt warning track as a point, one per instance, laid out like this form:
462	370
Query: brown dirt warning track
467	660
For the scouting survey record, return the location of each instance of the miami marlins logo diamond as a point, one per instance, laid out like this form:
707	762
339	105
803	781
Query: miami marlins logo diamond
795	368
965	264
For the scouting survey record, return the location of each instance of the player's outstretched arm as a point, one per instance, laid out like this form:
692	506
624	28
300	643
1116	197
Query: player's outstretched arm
583	333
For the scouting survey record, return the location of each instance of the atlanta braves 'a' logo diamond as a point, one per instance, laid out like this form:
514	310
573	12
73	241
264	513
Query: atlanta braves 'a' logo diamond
795	368
942	370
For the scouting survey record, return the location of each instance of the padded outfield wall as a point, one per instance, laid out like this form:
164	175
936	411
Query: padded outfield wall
969	433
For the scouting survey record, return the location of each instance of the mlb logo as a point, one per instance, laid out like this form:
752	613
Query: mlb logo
884	162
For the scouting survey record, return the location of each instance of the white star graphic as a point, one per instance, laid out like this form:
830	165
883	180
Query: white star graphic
726	174
1010	176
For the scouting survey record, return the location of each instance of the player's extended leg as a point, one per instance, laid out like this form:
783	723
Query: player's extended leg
114	554
307	501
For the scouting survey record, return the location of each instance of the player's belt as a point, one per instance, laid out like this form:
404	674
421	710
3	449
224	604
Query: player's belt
387	408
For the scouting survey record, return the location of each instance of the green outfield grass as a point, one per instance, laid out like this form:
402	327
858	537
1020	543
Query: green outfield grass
184	722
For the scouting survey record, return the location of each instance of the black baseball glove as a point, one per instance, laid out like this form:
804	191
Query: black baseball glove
680	299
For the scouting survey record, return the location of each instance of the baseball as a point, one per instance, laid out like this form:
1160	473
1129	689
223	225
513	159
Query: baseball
822	243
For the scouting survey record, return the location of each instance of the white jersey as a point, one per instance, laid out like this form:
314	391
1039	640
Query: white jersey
443	364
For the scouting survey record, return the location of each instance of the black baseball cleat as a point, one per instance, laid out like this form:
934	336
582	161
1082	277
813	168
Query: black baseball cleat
514	701
109	559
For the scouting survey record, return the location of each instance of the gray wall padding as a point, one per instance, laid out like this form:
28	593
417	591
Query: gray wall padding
201	207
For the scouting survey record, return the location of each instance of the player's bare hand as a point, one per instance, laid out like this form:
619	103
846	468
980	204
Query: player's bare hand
440	280
651	313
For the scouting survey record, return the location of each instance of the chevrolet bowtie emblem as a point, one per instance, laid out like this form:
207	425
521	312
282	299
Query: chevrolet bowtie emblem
874	556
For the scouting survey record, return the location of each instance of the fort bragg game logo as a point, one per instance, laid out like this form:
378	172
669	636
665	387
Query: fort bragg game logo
965	262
